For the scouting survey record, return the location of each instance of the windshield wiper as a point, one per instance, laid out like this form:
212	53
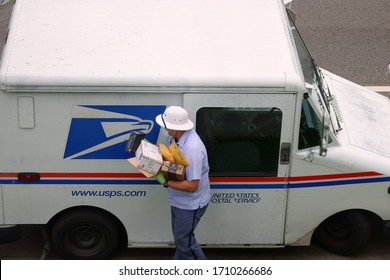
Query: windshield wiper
318	78
324	91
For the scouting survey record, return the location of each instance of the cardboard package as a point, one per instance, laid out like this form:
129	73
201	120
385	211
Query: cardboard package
133	162
148	157
173	171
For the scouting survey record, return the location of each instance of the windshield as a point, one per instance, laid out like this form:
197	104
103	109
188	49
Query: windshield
314	79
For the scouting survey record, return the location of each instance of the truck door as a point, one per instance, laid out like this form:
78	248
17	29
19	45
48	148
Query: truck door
247	137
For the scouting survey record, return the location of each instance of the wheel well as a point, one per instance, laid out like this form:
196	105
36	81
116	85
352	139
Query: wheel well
121	228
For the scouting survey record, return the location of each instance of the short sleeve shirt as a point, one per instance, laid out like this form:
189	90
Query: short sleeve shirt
195	152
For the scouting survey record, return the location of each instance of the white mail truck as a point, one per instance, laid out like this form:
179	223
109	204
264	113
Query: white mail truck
296	153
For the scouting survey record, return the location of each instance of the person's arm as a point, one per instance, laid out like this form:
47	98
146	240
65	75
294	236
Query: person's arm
185	186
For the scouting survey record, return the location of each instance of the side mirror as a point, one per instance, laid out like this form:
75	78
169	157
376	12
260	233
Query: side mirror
324	140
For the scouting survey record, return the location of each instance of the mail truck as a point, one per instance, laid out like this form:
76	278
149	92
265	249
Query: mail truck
297	154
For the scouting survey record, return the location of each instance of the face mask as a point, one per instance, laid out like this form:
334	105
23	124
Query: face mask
165	133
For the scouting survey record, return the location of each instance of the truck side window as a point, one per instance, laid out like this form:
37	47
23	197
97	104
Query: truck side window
310	127
241	141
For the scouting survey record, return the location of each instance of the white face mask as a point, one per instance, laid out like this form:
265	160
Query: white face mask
165	133
167	136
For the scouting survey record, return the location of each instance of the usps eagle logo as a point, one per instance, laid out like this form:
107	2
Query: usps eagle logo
102	131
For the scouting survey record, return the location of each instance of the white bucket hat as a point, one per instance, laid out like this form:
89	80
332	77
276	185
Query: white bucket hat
175	118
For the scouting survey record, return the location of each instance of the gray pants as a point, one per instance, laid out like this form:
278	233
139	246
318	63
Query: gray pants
184	223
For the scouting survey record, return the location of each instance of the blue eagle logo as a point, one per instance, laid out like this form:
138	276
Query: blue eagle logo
102	131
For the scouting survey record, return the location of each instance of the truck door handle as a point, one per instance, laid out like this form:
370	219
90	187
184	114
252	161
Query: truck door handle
285	153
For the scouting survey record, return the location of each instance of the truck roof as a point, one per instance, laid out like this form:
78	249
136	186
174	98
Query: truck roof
129	43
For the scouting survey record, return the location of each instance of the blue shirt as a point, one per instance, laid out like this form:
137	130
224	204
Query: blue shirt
195	152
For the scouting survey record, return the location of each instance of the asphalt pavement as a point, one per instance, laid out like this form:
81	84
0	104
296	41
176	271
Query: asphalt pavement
32	246
350	38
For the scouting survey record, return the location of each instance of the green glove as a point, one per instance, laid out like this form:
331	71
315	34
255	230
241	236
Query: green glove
160	178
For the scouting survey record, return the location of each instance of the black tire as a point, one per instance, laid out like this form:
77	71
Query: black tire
85	234
344	233
9	233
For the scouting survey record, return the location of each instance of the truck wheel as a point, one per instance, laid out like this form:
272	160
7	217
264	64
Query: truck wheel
344	233
85	234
